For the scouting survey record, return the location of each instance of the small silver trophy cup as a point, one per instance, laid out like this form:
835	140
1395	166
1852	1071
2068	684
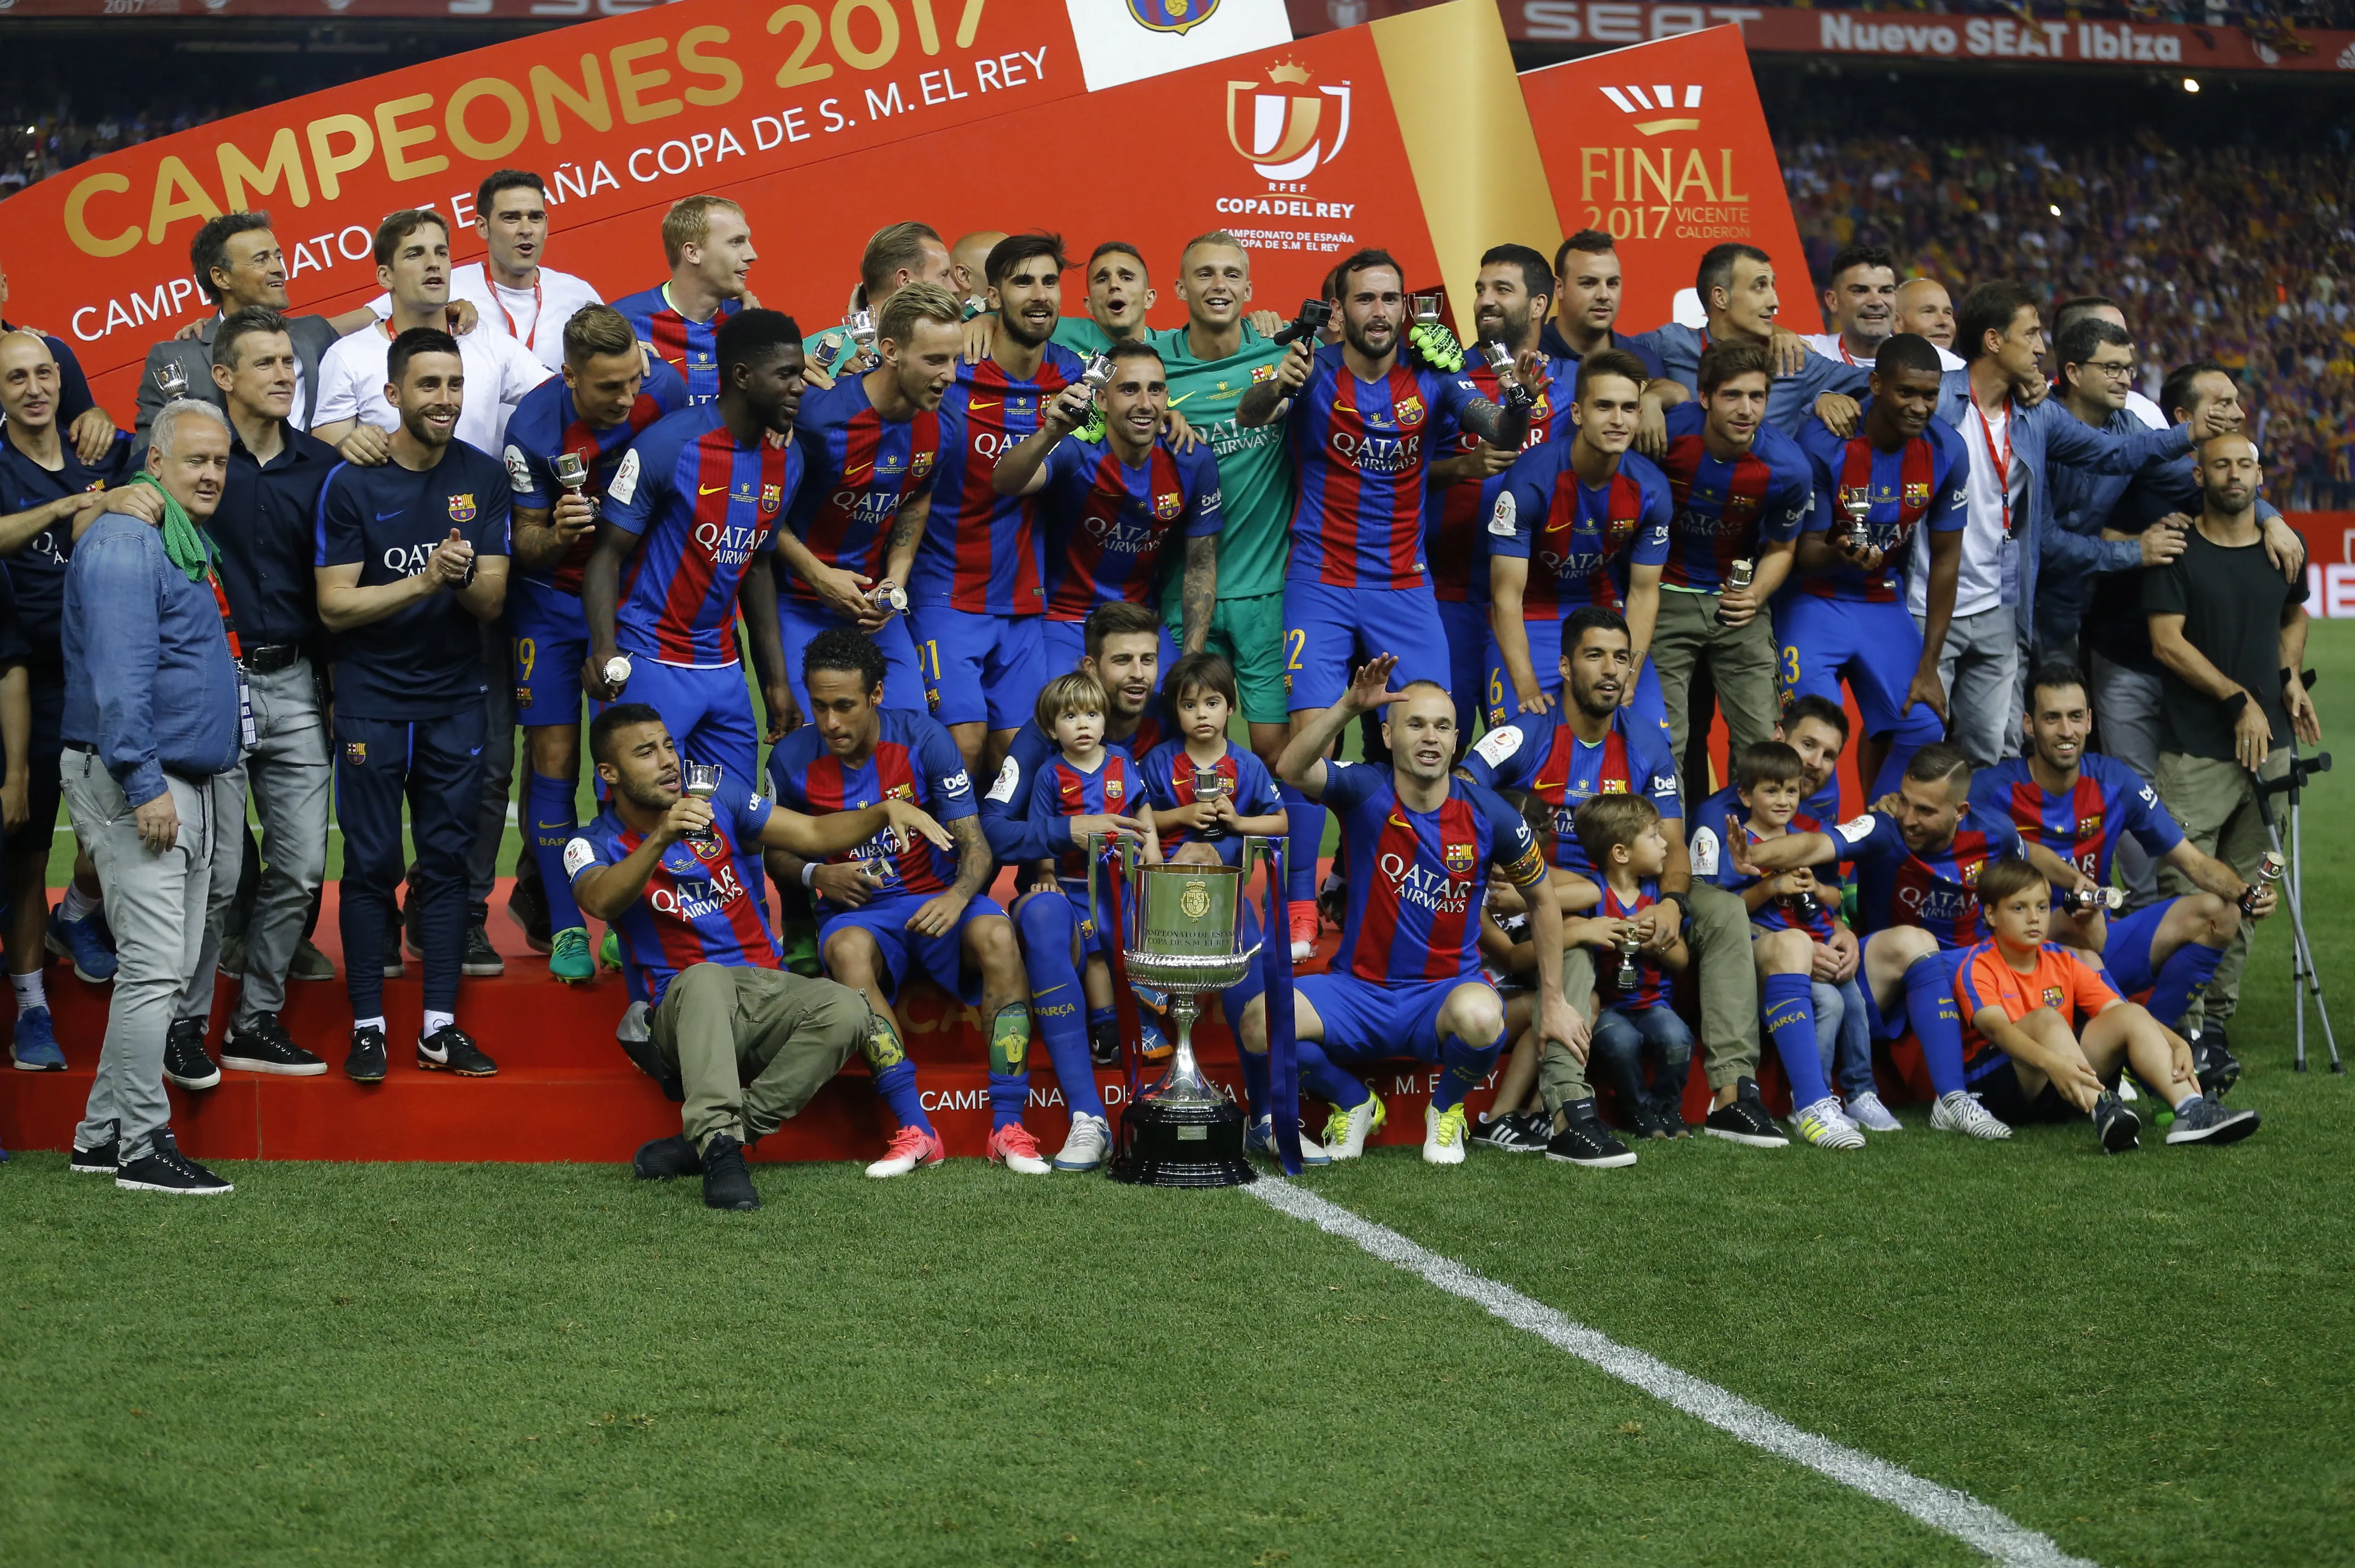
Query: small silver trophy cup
1426	310
889	597
172	381
1857	501
573	474
862	331
1097	375
701	781
1179	930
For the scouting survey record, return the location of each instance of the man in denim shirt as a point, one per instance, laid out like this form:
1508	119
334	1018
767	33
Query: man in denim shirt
152	738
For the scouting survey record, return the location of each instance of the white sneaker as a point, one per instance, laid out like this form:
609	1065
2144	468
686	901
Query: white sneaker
1866	1111
1822	1124
1302	953
633	1030
1260	1138
1346	1130
1085	1148
1443	1135
2127	1091
1961	1112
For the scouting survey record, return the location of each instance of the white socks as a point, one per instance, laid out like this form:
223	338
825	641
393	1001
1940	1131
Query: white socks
375	1023
76	904
435	1023
30	991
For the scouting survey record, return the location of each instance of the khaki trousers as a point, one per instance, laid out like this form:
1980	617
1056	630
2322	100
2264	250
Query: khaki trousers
753	1045
1741	662
2215	803
1720	935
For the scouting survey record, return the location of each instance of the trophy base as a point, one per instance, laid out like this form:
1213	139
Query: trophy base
1183	1145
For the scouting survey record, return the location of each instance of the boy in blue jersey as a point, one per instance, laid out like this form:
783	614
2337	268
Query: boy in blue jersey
1636	955
1207	795
741	1043
608	395
412	559
709	247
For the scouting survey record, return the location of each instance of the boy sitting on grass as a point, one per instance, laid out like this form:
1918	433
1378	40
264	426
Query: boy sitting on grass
2045	1037
1621	837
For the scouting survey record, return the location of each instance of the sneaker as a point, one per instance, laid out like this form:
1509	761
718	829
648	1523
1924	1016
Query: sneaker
310	963
1151	1043
262	1045
1345	1131
632	1027
1822	1124
528	907
1743	1119
2213	1060
1961	1112
232	954
2119	1129
664	1158
1013	1145
365	1061
451	1049
1259	1138
99	1159
81	942
1085	1148
1333	900
2206	1120
1520	1133
1670	1114
1103	1044
911	1149
727	1183
482	960
1305	926
569	959
1443	1135
1866	1111
1584	1140
164	1168
185	1061
1644	1118
34	1049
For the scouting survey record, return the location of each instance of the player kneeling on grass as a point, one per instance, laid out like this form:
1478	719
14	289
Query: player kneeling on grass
1420	841
892	906
2046	1038
660	866
1636	952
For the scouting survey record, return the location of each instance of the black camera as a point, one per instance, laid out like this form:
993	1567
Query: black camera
1314	314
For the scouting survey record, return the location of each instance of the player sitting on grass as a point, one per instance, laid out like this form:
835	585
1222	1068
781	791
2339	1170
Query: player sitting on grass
2046	1038
660	866
886	913
1633	962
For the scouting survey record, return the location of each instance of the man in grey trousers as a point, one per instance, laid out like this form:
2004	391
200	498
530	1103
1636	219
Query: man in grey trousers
152	732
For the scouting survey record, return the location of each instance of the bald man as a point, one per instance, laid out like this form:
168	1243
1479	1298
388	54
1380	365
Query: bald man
967	257
1924	307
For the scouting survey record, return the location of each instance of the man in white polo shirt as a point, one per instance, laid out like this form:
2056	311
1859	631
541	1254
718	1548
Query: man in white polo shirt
514	294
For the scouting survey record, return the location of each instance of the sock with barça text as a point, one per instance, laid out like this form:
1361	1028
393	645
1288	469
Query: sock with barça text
1787	1005
1937	1022
1010	1063
552	824
1057	1007
1463	1067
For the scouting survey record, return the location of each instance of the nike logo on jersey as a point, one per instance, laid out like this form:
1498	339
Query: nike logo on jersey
1181	398
388	516
982	403
855	471
709	489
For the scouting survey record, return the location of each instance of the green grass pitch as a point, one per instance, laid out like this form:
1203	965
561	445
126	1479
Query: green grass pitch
2145	1359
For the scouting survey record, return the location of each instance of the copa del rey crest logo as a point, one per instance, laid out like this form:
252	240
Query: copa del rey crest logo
1281	127
1660	103
1171	16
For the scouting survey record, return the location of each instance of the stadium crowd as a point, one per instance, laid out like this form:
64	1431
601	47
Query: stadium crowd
971	535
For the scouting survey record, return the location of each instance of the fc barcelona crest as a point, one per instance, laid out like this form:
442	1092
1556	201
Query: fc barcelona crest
1112	789
1167	507
1916	497
356	753
1458	858
2088	826
1410	411
1614	786
2052	997
920	465
462	508
1172	16
772	497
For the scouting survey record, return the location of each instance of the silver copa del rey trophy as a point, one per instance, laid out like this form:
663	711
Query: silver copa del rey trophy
1180	935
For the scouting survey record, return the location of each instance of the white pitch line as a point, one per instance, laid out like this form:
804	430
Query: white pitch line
1943	1508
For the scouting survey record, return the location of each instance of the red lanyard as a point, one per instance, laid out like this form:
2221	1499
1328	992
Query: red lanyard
493	287
2002	461
229	621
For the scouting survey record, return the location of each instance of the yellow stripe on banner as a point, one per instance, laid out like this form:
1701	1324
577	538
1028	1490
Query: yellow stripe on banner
1468	139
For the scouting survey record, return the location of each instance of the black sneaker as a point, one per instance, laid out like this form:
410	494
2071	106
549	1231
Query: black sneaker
2114	1121
482	960
1584	1140
264	1046
2212	1059
528	907
2206	1120
98	1161
185	1061
647	1059
665	1158
1522	1132
1670	1114
451	1049
1642	1120
727	1183
1103	1044
365	1064
164	1168
1743	1119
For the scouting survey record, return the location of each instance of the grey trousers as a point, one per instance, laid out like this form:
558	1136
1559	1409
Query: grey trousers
288	777
498	767
156	903
1979	667
2126	706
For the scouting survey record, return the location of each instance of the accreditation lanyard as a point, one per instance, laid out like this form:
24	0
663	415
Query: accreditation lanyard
525	340
247	732
2002	460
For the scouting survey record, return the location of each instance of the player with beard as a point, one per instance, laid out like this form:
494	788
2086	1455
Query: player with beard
977	581
709	247
1859	304
1364	425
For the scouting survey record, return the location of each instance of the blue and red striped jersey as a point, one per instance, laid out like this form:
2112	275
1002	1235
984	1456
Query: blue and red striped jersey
1419	879
1726	507
1108	526
862	468
1018	834
2083	824
1063	789
1453	514
1937	889
1924	483
701	507
546	425
695	909
1361	453
691	348
1170	781
1577	538
1654	986
1540	754
981	553
913	761
1705	844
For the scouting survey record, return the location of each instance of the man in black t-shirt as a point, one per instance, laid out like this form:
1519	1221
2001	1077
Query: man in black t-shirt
413	560
2230	636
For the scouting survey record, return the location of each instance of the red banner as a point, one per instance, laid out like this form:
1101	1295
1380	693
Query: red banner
1664	146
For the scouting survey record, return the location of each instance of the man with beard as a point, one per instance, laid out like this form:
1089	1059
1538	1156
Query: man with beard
1587	283
709	247
411	562
1859	305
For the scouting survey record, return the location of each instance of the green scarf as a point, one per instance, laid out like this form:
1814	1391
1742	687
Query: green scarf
183	540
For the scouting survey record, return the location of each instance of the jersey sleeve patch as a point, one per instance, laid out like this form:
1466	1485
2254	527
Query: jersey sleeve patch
1497	747
624	487
579	854
518	471
1702	852
1009	781
1856	829
1504	518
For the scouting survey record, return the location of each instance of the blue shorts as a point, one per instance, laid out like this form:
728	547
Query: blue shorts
708	712
1329	631
903	678
885	918
2126	949
980	668
1064	644
1365	1022
1876	647
1466	625
1882	1028
551	644
1504	704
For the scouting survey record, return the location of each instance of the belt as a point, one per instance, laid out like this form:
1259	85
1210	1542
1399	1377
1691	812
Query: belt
87	750
271	659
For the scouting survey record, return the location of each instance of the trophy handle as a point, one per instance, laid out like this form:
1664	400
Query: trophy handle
1095	848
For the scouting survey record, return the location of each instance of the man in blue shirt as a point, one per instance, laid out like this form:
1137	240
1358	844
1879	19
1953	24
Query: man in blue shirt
411	559
151	740
1736	284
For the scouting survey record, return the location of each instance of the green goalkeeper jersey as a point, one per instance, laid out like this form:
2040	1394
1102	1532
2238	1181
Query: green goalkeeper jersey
1254	466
